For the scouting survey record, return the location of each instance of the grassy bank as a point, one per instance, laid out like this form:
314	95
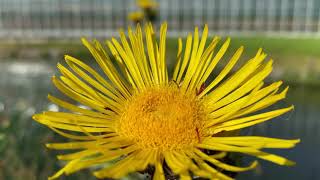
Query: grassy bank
296	60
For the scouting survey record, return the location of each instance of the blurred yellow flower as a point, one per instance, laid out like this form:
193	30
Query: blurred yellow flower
139	117
136	16
147	4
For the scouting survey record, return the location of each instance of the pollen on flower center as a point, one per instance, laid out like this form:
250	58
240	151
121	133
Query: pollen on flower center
163	118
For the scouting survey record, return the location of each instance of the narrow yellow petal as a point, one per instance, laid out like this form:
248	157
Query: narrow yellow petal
254	141
158	174
235	80
219	155
104	61
105	157
178	60
75	108
225	71
249	121
246	87
82	137
214	172
101	84
193	62
151	54
272	158
186	58
162	52
223	165
214	62
250	151
174	163
77	155
80	98
119	169
263	103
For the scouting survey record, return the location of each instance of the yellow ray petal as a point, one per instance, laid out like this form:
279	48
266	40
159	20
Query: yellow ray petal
178	60
272	158
254	141
101	84
107	67
119	169
139	57
214	62
245	88
215	174
223	165
193	62
76	128
225	71
158	174
234	81
250	151
75	120
249	121
151	54
219	155
186	58
80	98
174	163
77	155
82	137
75	108
264	103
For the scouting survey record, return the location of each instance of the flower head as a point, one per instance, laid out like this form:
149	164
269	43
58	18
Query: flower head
139	116
147	4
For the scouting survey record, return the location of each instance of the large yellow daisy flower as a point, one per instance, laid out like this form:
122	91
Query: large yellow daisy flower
137	117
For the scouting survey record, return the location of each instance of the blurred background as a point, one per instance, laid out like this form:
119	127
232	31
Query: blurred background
35	34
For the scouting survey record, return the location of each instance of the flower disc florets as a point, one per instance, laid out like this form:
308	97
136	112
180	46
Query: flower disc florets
163	118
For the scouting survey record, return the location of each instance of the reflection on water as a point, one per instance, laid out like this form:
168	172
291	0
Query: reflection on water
23	91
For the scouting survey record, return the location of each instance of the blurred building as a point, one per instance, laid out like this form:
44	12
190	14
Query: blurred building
21	19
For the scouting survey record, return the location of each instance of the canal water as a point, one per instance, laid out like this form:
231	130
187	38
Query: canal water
25	85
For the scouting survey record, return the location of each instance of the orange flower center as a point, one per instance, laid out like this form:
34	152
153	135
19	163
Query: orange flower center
163	118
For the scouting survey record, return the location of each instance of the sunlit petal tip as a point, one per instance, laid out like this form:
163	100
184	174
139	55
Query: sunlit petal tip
98	175
289	163
164	24
60	66
48	145
84	41
35	117
49	96
284	92
292	107
279	83
121	31
271	62
59	157
254	164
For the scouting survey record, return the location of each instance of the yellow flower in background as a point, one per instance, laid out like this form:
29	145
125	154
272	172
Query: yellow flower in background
137	116
136	16
147	4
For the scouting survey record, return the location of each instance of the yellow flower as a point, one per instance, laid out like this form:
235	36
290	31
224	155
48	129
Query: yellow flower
147	4
136	16
137	116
